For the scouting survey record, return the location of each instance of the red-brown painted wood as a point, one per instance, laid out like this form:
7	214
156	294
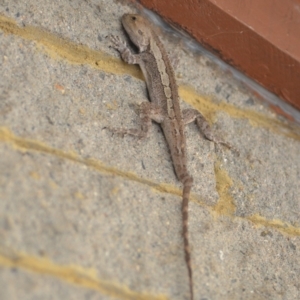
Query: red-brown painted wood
260	38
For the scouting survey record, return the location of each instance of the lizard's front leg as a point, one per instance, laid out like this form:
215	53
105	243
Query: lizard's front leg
190	115
127	55
148	112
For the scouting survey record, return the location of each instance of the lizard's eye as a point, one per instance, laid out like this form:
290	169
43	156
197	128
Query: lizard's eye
133	18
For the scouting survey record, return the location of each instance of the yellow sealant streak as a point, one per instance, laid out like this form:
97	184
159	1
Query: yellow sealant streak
25	145
281	226
58	47
208	108
225	205
77	275
63	48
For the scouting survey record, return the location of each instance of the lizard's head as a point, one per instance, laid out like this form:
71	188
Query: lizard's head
138	30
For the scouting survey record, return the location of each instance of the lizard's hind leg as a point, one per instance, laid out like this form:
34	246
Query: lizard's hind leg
190	115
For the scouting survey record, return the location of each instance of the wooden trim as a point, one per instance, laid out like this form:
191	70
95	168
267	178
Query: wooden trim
260	38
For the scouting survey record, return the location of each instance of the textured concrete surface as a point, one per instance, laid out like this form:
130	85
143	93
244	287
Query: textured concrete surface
85	214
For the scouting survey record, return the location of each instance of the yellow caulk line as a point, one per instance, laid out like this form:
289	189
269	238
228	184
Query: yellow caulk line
225	206
63	48
209	108
57	47
85	278
24	144
276	224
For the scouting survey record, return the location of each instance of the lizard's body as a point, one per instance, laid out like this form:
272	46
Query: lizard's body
164	107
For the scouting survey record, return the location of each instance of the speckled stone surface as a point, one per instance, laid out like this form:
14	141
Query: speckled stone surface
85	214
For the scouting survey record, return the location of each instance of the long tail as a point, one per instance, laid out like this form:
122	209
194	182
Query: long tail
187	185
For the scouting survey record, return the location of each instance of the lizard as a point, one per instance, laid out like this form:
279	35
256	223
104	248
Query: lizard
163	108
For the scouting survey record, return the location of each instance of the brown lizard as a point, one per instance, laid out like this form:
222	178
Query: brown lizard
164	107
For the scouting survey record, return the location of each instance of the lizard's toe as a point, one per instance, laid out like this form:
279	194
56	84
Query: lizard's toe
117	43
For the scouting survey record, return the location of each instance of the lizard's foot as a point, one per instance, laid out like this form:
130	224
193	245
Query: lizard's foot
190	115
118	43
227	145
